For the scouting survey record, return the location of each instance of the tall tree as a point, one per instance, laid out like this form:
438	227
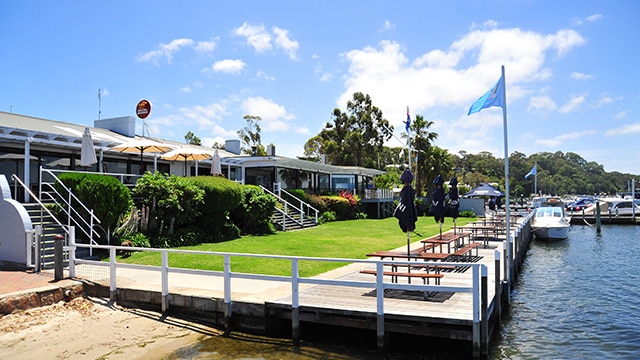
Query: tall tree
250	136
355	137
420	149
191	139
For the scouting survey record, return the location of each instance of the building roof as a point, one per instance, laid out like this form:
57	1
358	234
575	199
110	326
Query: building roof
20	128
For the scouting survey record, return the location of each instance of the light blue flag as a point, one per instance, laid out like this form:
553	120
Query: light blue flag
493	97
532	172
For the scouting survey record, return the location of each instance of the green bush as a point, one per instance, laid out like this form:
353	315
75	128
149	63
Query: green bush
341	207
221	196
327	216
105	195
467	214
253	216
168	203
299	194
318	202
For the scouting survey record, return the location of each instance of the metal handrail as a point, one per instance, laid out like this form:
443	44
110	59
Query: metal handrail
286	204
70	211
15	178
302	205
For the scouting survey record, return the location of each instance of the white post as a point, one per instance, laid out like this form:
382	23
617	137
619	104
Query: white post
72	252
27	167
506	180
165	282
112	274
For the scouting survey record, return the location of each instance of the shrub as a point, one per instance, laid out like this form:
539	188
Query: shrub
326	217
318	202
341	207
105	195
467	214
253	216
221	197
168	203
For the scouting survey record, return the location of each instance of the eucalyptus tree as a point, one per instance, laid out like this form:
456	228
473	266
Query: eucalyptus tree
191	139
354	137
250	136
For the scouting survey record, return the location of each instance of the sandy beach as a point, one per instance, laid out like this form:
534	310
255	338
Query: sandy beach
91	328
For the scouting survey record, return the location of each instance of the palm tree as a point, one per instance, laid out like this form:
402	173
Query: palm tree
421	146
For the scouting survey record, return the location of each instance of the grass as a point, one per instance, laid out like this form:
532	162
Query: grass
342	239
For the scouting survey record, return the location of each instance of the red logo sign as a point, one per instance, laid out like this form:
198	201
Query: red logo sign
143	109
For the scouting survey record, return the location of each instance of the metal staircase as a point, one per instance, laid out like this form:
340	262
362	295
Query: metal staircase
291	213
47	223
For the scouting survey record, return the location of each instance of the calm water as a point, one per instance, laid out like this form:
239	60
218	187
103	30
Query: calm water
577	299
574	299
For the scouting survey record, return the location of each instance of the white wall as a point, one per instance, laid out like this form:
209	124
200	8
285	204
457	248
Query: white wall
14	224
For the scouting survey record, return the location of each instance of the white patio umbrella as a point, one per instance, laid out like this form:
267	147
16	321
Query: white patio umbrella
17	158
216	165
142	145
87	153
187	153
64	162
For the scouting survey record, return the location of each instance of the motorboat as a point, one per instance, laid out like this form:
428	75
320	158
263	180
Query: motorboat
550	221
615	206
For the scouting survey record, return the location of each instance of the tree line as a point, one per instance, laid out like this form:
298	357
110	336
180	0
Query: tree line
356	137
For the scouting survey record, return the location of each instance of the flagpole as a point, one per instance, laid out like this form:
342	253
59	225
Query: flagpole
506	185
535	182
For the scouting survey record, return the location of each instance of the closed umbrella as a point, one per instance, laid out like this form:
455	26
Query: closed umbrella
406	211
87	153
142	145
187	153
216	165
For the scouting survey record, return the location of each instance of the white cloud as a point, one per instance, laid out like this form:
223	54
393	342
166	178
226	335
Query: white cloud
627	129
588	19
388	25
574	103
621	114
593	18
555	142
580	76
542	104
164	50
256	36
228	66
455	76
285	43
205	46
263	75
261	40
274	116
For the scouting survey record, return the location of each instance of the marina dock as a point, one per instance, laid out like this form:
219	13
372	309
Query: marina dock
465	305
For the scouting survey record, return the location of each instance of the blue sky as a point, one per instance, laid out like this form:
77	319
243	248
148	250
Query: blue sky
571	68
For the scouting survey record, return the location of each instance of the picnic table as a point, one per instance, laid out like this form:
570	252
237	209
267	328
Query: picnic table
483	232
446	238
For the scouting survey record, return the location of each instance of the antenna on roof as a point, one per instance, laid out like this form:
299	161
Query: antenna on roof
99	104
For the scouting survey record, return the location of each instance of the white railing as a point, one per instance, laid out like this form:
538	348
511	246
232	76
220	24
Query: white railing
477	287
378	194
287	205
73	216
303	205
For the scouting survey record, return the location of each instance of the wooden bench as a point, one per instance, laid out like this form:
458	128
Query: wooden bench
425	276
427	267
466	250
419	255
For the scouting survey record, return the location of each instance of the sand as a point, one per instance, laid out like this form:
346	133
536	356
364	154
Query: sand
92	328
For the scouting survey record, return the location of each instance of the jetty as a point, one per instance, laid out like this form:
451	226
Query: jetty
440	289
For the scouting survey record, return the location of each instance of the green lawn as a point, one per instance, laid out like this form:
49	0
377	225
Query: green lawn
342	239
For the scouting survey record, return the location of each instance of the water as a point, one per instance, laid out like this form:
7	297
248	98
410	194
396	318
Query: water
576	299
573	299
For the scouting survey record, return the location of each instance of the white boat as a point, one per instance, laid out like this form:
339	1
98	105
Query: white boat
550	222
